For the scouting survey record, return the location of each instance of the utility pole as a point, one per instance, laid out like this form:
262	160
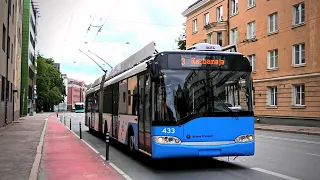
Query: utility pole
101	59
105	71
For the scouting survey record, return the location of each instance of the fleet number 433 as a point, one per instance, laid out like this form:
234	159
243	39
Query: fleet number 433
169	130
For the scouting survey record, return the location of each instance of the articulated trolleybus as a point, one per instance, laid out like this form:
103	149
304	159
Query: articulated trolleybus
182	103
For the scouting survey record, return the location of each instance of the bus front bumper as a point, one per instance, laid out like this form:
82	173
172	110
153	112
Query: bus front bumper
160	151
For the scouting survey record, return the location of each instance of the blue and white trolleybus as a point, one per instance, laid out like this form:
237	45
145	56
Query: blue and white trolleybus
181	103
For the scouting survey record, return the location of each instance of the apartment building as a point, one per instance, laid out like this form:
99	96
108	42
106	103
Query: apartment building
281	40
28	58
10	37
76	92
207	21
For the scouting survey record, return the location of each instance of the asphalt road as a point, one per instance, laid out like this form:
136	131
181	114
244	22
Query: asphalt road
278	156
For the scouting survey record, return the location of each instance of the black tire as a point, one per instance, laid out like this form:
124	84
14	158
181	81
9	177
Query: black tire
131	140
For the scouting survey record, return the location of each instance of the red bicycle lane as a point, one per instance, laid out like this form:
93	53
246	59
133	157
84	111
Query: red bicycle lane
66	157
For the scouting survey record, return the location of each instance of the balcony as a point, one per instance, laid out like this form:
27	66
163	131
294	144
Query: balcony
219	24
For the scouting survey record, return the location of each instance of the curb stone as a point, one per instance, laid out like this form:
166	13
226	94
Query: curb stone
286	131
37	160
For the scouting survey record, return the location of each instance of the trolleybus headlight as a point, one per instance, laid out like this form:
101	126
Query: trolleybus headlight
245	138
167	140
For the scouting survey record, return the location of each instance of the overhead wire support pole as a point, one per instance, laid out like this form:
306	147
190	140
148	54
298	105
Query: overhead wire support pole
101	59
105	71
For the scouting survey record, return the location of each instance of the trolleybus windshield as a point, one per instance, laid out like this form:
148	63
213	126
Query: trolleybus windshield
194	90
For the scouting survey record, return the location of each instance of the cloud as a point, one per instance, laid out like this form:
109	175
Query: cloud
63	30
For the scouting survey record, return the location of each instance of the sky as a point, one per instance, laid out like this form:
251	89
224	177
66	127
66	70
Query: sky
128	25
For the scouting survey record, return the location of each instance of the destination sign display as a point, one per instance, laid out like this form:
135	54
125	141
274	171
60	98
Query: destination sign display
226	62
189	61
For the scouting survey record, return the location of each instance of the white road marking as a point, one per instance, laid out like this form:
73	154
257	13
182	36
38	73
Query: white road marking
90	146
102	157
275	174
85	142
313	154
287	139
120	171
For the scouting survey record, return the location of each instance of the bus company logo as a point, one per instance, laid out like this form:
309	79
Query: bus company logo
188	136
199	136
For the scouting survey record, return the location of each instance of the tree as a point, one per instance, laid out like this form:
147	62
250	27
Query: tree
182	39
50	88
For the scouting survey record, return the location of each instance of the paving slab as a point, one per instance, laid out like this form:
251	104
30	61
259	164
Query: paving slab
18	146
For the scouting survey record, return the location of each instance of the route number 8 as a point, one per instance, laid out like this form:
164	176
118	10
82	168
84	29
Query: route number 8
169	130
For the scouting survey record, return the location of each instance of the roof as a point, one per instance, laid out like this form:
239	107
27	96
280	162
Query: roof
195	6
194	3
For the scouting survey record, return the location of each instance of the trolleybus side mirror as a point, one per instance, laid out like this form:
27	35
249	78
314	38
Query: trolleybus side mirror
154	70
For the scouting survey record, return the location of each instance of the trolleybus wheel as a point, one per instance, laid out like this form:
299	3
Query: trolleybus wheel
131	138
131	143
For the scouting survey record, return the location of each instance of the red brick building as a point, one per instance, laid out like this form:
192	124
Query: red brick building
76	92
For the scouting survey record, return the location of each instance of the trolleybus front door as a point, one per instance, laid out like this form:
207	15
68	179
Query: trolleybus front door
144	113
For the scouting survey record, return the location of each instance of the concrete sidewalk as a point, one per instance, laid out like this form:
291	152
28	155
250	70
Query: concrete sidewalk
18	146
66	157
289	129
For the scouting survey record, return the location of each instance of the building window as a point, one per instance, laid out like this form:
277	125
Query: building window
254	95
4	29
13	14
11	92
251	3
9	50
206	19
11	53
299	54
252	59
234	4
251	30
2	88
299	14
234	36
219	13
272	96
273	22
273	59
194	26
209	38
298	95
19	37
9	9
219	38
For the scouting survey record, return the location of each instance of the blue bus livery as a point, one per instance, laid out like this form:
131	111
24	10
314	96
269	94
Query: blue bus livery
182	103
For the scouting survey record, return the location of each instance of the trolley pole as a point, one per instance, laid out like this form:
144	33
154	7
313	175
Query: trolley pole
107	139
80	130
